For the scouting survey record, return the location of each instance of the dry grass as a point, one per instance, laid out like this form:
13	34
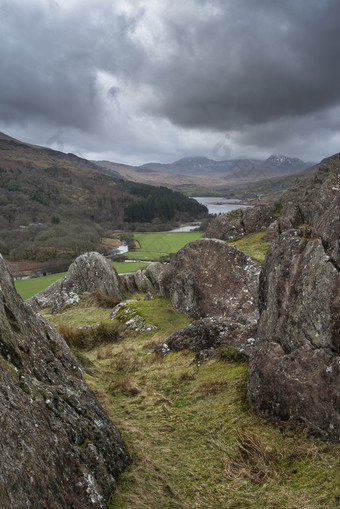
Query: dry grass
194	441
253	459
103	300
87	339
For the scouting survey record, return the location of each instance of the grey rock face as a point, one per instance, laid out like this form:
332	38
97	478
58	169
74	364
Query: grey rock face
295	373
311	197
315	201
59	449
88	273
210	334
210	278
143	280
240	222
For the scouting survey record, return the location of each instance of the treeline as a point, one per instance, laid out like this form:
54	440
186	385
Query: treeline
44	242
55	206
160	203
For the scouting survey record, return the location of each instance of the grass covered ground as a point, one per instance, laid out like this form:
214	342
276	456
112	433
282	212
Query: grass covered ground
252	244
29	287
194	441
153	246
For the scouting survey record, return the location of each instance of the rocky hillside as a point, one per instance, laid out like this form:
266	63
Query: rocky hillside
58	447
284	316
294	368
294	372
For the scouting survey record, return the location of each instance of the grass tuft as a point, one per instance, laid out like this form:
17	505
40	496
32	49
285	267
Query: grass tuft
87	339
105	301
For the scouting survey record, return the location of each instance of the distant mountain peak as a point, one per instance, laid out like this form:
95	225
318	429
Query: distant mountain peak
281	159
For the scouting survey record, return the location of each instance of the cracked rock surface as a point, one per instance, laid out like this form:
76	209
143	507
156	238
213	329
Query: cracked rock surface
59	449
294	373
208	277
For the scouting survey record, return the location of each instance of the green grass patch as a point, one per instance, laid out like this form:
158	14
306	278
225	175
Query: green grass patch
29	287
252	244
194	441
154	246
123	267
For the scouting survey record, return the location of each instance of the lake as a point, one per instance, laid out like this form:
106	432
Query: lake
218	205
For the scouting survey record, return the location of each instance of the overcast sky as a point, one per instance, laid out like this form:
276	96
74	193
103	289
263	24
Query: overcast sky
133	81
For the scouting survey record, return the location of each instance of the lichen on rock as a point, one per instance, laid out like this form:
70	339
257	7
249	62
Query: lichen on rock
208	277
59	448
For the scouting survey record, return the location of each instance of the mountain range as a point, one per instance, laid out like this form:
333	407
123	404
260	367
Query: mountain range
274	166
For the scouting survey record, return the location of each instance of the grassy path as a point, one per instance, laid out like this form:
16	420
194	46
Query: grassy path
194	441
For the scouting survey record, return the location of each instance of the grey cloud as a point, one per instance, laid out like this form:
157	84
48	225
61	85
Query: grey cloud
49	59
267	72
254	63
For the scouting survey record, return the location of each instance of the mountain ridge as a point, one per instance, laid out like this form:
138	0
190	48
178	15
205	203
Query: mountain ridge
274	165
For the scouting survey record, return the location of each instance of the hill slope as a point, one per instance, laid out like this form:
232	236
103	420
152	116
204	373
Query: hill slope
198	175
56	205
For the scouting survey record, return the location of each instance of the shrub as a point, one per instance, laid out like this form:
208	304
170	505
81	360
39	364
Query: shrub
86	339
229	354
103	300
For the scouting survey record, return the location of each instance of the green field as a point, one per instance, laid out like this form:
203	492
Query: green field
156	245
29	287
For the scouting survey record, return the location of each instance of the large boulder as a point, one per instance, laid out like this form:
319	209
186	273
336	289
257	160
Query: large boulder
59	449
294	373
88	273
240	222
208	277
211	333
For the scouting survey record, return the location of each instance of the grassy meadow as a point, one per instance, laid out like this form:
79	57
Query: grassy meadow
252	244
194	441
153	246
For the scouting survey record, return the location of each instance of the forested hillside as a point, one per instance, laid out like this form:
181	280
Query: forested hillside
56	206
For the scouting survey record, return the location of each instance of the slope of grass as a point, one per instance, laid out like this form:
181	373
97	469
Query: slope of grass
153	246
252	244
194	441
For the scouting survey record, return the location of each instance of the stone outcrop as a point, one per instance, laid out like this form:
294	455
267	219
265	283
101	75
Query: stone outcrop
315	201
211	333
88	273
59	448
294	373
208	277
310	197
143	280
128	316
240	222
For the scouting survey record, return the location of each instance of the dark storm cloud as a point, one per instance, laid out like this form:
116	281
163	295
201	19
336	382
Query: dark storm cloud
49	59
262	70
253	62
